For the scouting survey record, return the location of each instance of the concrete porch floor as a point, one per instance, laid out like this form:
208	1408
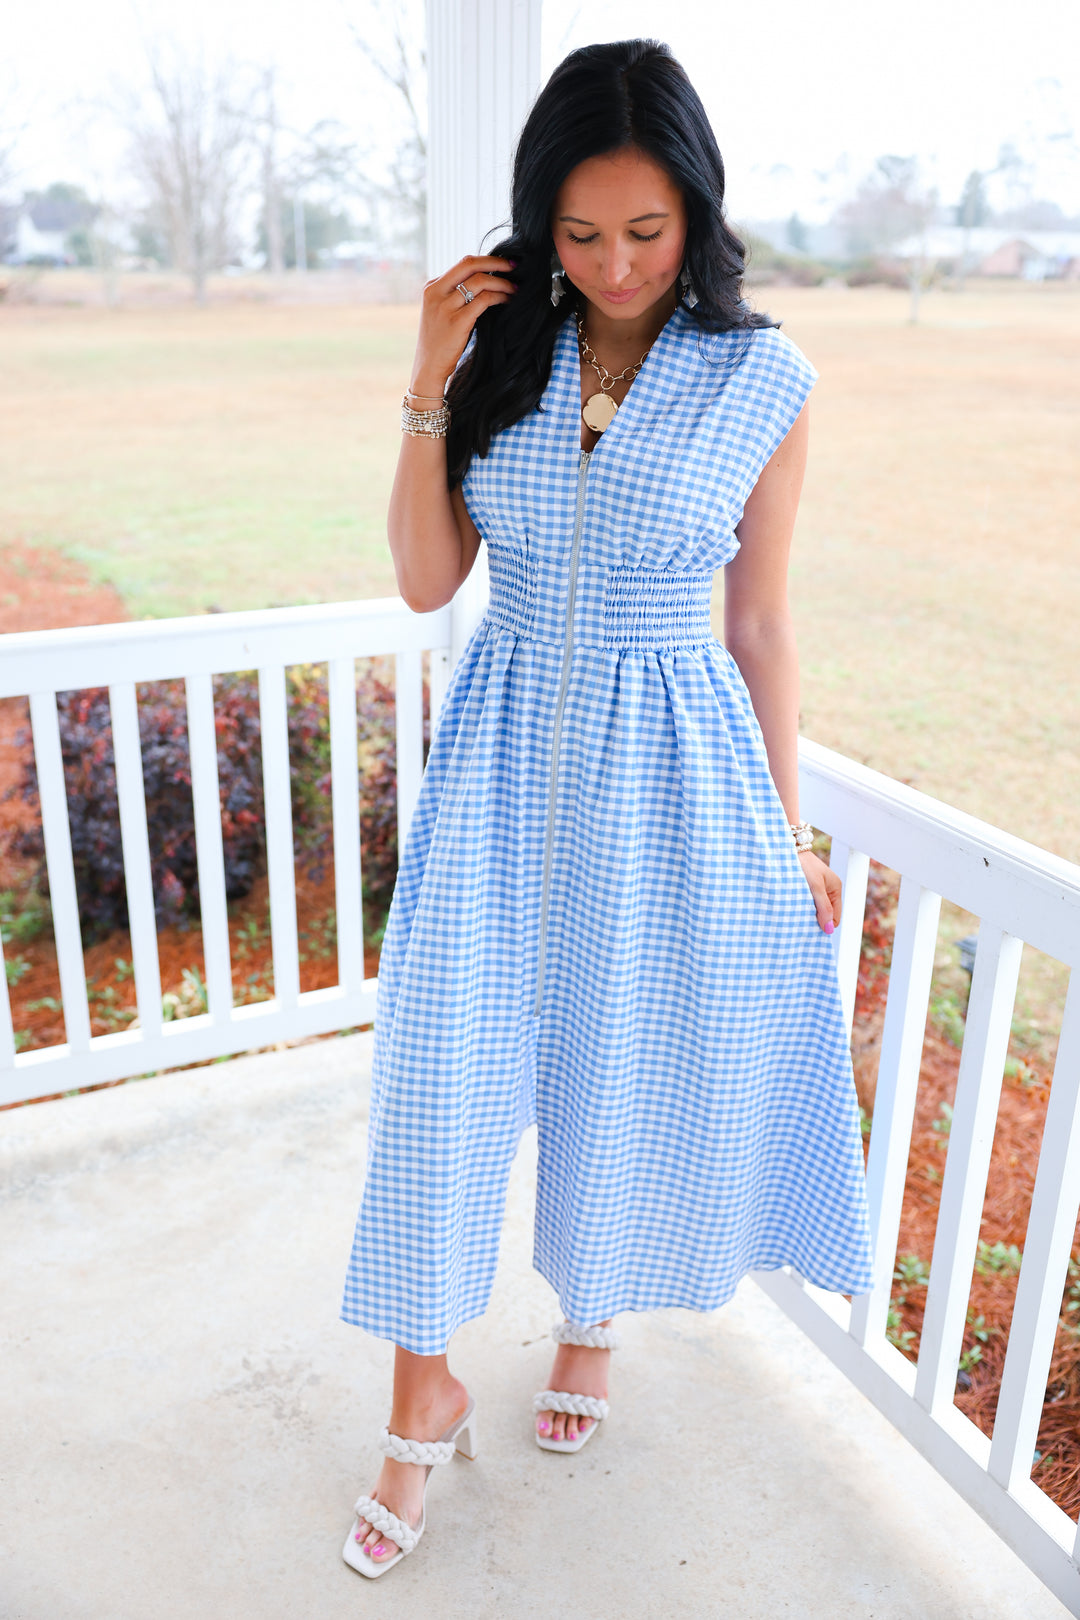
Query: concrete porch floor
186	1422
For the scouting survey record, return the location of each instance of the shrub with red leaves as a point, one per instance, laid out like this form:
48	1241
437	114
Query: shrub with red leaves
90	775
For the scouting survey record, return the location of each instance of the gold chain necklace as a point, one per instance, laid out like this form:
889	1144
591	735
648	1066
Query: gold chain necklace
598	411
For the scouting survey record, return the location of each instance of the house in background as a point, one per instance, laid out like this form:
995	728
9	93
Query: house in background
997	250
41	231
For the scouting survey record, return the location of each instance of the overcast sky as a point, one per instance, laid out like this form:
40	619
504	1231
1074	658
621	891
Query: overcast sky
803	94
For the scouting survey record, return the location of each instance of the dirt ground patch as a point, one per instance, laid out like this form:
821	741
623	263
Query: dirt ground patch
43	589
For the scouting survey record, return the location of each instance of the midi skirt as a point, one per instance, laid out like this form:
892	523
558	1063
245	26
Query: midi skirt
600	926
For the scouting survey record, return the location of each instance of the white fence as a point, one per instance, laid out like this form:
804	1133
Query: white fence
42	663
1019	893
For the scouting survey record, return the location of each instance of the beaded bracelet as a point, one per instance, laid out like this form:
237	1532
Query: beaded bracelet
424	424
803	834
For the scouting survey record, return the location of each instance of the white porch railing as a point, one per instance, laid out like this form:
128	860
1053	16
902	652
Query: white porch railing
39	664
1019	893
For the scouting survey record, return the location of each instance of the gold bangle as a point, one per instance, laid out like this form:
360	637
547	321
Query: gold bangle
439	398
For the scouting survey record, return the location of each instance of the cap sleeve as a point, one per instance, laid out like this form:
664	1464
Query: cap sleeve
782	380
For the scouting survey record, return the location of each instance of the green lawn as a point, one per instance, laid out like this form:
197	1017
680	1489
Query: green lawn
242	456
936	575
233	457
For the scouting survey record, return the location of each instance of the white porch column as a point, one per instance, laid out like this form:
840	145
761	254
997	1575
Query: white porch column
483	61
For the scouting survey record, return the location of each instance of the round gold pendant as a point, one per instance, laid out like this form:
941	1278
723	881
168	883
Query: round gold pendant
598	412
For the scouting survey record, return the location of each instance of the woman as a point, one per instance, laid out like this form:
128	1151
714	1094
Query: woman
607	917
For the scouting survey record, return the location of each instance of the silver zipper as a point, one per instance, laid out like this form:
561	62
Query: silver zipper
571	596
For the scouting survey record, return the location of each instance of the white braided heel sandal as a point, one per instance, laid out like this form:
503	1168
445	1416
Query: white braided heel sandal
426	1454
561	1400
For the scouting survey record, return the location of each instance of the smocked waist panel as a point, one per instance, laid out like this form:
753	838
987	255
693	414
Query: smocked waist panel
641	609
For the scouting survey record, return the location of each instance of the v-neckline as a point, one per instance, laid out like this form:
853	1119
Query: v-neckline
572	361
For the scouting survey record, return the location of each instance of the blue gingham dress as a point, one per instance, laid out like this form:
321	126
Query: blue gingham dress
600	923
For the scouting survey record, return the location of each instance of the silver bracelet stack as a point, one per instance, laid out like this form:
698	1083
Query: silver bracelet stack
424	424
803	835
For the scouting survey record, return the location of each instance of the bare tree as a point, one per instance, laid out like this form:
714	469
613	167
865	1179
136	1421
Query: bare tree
322	176
192	150
271	189
400	61
889	205
12	126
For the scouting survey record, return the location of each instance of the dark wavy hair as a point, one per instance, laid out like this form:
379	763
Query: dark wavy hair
600	99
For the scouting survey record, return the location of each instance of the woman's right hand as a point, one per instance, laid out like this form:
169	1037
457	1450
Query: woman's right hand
446	319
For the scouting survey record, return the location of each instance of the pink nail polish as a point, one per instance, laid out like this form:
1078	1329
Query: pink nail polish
544	1427
830	926
377	1552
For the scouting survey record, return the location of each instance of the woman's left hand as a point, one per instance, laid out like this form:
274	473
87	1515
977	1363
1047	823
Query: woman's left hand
825	887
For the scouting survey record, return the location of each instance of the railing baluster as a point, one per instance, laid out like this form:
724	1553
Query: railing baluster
138	882
206	799
854	870
280	860
1044	1268
408	710
345	791
63	899
897	1087
971	1138
7	1029
438	681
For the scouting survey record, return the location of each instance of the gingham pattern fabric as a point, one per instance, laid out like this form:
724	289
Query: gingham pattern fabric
688	1068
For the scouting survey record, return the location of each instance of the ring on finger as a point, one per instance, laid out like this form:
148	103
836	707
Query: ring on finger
464	291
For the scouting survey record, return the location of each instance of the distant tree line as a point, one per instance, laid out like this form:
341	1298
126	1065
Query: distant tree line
893	202
222	177
882	231
216	175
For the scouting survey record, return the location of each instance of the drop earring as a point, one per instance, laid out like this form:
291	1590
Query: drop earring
557	273
690	297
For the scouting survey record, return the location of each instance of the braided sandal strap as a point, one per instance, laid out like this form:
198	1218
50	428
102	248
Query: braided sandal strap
386	1523
593	1338
561	1400
427	1453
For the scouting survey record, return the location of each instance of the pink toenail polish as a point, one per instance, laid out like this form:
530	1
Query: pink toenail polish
544	1428
377	1552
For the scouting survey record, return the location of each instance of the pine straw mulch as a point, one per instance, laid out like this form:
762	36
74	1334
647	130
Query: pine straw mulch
35	1000
1014	1160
